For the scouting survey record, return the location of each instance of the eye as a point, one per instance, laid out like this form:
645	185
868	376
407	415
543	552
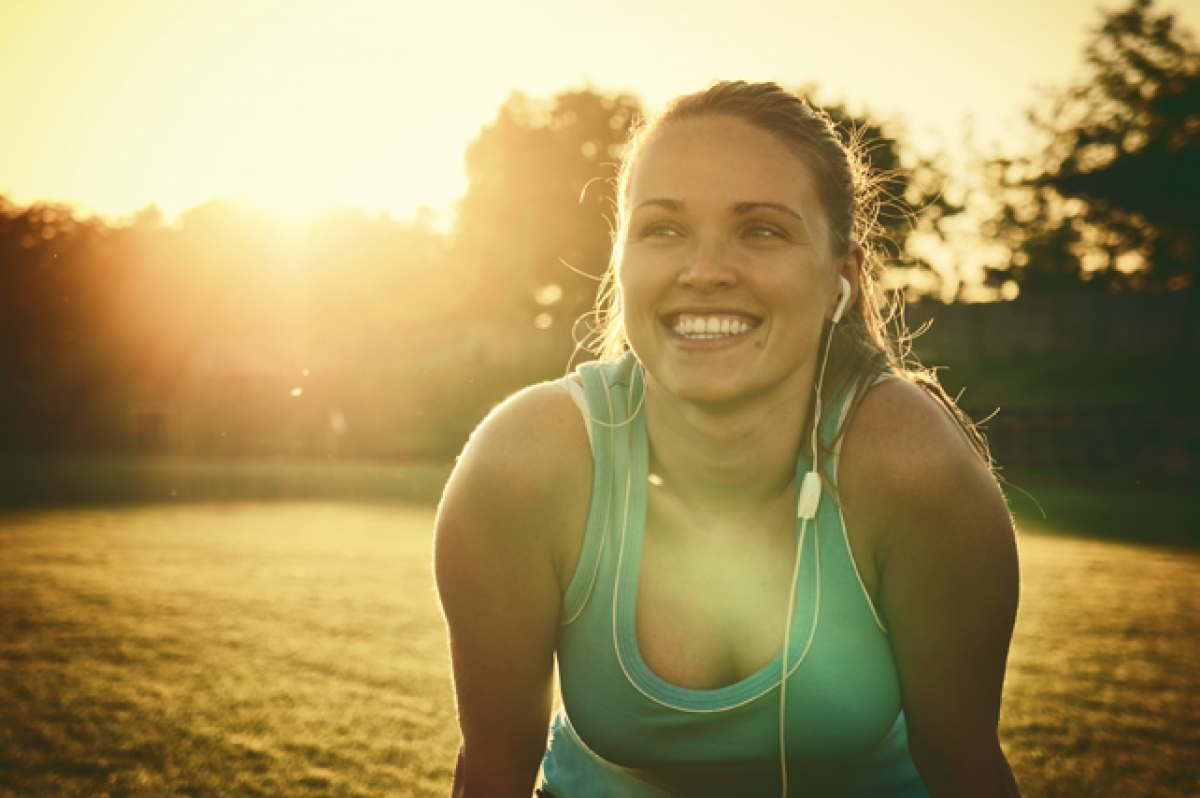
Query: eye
659	230
761	230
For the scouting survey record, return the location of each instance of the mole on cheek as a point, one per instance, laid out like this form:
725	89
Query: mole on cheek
758	344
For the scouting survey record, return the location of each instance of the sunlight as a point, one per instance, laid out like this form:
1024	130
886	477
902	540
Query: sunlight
293	107
297	105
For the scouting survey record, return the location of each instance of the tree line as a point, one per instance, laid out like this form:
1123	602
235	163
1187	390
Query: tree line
94	312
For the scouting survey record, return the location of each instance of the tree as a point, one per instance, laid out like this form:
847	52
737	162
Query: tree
539	205
909	197
1111	202
52	323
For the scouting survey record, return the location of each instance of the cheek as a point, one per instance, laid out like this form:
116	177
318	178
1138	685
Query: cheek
799	305
636	284
640	297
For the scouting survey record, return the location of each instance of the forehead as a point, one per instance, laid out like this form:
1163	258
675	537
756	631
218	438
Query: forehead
720	160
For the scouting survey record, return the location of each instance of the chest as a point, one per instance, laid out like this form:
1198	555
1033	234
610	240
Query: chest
679	646
712	598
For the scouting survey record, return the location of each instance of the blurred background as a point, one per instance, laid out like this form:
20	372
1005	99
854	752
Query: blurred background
293	252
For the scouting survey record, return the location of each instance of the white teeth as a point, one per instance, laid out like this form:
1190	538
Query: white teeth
712	327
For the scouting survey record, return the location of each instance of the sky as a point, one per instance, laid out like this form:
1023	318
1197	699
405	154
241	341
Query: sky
297	104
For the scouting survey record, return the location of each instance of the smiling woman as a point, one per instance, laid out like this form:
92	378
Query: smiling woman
765	555
725	228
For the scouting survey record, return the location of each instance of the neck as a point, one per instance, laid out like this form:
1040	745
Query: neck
728	462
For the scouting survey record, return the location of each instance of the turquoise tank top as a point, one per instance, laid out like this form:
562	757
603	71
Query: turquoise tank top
623	731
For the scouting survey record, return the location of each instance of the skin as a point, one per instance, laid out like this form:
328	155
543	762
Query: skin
723	220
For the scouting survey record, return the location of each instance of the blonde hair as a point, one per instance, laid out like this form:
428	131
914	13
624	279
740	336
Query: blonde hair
849	193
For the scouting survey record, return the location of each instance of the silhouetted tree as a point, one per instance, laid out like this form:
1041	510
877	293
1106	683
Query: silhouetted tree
51	322
907	190
539	203
98	318
1111	203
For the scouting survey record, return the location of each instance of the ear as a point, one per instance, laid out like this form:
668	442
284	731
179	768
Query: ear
849	270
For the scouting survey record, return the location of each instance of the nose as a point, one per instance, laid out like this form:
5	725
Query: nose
709	267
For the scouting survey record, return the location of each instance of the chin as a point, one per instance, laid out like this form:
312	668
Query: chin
707	387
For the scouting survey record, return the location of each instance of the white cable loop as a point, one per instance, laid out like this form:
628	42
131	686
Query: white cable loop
806	509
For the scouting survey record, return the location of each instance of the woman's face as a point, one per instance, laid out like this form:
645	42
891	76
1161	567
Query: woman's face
726	271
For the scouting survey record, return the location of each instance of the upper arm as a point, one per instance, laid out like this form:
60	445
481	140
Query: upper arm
513	510
945	554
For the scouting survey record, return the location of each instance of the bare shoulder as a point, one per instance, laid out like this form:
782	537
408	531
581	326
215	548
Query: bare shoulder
507	535
906	462
902	440
523	482
932	536
535	440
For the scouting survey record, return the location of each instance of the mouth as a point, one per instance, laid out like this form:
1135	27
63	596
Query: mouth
708	326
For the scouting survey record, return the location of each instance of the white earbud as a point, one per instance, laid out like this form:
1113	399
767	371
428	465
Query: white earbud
843	301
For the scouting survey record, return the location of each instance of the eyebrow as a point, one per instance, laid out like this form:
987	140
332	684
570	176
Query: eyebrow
669	204
746	207
739	208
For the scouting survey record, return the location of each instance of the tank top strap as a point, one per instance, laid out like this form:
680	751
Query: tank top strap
834	416
834	423
613	391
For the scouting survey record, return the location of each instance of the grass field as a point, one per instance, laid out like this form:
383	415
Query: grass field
297	649
209	650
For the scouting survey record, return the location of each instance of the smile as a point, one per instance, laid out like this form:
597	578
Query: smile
700	327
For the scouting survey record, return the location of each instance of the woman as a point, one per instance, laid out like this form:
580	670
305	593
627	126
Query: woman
667	545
